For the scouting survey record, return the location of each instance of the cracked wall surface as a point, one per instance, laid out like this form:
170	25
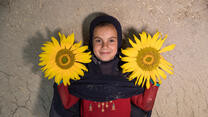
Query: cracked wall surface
26	24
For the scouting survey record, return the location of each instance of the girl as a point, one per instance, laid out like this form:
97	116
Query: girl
104	91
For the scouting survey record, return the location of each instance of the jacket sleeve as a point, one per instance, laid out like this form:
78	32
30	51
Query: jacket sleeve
67	99
146	100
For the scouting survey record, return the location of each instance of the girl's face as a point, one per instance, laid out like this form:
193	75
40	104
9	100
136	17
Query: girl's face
105	42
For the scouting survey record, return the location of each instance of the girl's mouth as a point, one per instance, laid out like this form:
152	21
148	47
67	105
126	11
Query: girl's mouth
104	52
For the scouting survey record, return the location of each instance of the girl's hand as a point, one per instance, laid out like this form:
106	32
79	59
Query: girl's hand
153	82
60	82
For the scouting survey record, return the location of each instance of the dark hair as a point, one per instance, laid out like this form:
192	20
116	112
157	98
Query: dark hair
105	23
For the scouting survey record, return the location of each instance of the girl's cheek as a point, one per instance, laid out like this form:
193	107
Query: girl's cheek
114	45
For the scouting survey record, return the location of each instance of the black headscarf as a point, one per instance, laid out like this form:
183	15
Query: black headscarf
106	19
104	81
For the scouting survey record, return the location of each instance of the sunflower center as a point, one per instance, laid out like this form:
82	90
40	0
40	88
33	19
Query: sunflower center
64	58
148	58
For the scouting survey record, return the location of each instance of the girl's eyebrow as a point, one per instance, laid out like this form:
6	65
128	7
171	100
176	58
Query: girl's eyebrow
108	38
112	37
97	37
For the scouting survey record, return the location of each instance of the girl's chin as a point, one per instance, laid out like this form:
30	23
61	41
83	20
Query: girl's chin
105	59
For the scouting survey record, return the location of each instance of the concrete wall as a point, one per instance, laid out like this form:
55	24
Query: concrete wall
26	24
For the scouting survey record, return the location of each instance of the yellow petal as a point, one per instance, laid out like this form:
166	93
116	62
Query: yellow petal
168	48
162	73
50	72
165	69
161	42
138	42
78	70
41	63
143	39
148	82
69	41
125	70
136	82
65	80
144	79
74	74
153	77
158	43
58	78
81	66
128	59
44	68
131	52
164	61
53	74
134	74
149	41
71	37
71	72
64	42
130	66
166	65
46	73
42	55
44	48
48	45
60	36
76	77
68	82
55	42
149	37
158	76
141	79
156	35
80	50
83	57
134	45
76	46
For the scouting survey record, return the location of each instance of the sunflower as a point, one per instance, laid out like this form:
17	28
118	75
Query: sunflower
144	59
64	61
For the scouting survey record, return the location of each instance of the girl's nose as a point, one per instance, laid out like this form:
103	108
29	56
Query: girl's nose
105	45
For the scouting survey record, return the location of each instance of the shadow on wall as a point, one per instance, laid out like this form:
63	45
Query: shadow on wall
128	34
31	52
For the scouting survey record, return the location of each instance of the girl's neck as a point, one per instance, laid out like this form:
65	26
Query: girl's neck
107	67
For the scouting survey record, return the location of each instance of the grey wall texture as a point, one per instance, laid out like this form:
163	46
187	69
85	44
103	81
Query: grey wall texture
26	24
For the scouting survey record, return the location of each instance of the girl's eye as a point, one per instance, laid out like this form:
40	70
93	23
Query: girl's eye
112	40
97	40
